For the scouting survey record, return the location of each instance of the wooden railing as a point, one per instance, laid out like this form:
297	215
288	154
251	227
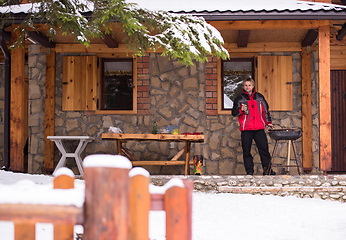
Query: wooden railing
117	206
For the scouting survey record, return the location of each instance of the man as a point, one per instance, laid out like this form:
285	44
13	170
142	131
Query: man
253	114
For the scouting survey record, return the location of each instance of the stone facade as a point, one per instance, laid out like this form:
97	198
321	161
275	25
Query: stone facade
177	96
37	82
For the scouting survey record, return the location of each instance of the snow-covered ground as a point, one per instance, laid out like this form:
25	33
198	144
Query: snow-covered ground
223	216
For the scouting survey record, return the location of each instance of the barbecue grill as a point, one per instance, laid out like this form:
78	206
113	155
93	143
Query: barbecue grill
290	135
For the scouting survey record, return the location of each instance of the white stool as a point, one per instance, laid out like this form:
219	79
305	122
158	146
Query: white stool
83	141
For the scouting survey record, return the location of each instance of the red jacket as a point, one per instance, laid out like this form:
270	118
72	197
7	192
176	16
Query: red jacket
258	116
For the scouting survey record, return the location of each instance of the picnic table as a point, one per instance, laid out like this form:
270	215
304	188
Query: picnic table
188	139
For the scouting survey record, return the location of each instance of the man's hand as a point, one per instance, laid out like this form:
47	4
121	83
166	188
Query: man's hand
243	107
271	126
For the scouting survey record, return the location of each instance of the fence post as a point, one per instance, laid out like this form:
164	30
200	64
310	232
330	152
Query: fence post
24	231
107	186
177	213
63	179
139	204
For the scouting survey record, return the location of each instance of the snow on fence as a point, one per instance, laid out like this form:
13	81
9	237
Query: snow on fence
117	204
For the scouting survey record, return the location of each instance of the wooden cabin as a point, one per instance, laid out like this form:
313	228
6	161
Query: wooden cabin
295	51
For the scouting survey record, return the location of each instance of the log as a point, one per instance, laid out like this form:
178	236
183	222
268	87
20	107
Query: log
63	231
106	198
139	207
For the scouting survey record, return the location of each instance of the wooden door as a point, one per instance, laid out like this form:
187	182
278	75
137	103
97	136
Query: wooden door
338	102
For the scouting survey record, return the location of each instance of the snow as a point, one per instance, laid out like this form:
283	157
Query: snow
217	216
64	171
139	171
107	160
227	5
174	182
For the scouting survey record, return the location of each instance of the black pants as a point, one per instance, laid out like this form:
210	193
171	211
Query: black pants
261	141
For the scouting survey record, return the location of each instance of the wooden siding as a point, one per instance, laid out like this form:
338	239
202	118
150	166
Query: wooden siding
275	81
338	57
80	81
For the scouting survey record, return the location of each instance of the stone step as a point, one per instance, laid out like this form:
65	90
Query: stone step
331	187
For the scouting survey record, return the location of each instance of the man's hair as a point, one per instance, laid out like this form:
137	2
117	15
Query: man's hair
249	79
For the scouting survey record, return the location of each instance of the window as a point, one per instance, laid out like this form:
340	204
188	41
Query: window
272	75
103	85
233	73
117	84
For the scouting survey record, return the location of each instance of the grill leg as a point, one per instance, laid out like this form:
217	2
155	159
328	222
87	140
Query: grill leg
273	156
295	151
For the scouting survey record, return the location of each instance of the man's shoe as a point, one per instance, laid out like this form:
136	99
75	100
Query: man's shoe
271	172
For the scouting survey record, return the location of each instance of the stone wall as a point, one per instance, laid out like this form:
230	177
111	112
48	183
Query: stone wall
177	97
37	82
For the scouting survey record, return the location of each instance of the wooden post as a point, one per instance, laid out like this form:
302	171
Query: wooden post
24	231
107	187
17	112
49	111
64	180
139	207
176	213
306	110
324	99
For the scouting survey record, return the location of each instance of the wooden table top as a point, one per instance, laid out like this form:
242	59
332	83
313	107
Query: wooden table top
149	136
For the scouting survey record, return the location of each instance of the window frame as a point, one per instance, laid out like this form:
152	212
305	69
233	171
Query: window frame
134	87
220	95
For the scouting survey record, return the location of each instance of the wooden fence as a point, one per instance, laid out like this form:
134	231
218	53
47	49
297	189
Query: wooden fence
116	207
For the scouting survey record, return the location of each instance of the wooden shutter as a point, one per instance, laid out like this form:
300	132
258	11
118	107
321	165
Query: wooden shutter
275	81
79	90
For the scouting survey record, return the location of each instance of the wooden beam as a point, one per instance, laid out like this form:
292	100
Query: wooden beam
110	41
41	39
49	119
265	47
324	99
269	24
306	110
243	38
17	112
310	37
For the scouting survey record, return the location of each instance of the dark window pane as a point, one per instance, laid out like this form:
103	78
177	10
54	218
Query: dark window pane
233	74
117	85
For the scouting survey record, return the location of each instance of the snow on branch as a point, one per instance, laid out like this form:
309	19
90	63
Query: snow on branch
181	36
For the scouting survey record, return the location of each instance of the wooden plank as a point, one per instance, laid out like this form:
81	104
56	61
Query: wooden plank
49	119
324	99
17	111
337	64
177	156
158	137
159	163
139	207
76	92
93	48
33	213
268	24
91	83
68	69
265	47
306	110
